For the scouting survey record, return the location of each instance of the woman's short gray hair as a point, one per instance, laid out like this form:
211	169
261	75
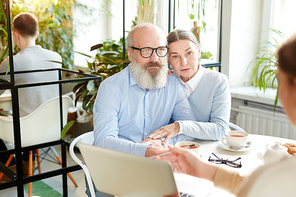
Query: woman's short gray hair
181	34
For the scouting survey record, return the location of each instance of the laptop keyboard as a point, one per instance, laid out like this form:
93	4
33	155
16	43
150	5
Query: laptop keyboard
182	194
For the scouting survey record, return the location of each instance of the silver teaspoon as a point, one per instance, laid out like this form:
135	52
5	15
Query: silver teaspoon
248	144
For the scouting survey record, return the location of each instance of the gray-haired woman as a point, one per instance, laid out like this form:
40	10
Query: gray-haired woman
207	91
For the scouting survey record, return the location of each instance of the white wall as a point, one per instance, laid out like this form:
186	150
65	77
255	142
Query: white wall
94	29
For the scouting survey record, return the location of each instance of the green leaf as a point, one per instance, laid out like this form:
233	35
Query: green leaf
93	92
79	86
84	105
90	85
4	31
91	106
109	53
84	93
67	127
276	98
113	66
5	52
83	54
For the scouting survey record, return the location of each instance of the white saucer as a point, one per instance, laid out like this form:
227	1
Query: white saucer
225	147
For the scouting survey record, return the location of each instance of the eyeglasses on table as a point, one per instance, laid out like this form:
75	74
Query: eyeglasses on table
231	161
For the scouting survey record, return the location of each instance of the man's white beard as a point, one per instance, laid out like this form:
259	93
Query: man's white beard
152	79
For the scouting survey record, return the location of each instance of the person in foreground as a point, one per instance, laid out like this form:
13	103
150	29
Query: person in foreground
32	57
184	161
140	99
207	91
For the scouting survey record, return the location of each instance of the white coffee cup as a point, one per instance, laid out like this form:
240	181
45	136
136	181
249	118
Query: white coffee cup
195	148
235	139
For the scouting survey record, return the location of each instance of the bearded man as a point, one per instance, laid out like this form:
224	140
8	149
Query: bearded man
141	98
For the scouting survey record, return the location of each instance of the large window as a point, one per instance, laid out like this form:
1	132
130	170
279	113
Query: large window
200	16
203	18
246	24
136	12
284	15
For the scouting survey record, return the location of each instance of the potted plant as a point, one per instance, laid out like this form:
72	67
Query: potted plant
107	61
264	65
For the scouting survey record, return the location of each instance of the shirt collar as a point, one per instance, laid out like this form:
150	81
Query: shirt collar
192	84
131	78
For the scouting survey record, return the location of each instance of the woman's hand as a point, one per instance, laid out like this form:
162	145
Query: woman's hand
153	142
187	162
167	131
156	145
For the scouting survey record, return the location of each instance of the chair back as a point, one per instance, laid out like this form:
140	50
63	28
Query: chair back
86	138
234	126
41	126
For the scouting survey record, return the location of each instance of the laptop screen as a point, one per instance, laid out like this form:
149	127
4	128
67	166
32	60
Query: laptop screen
124	174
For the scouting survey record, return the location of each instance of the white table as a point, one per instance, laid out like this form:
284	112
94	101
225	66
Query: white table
250	160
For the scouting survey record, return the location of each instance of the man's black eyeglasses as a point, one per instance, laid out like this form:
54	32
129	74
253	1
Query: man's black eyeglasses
232	162
146	52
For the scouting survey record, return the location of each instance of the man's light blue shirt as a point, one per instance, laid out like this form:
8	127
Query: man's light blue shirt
125	114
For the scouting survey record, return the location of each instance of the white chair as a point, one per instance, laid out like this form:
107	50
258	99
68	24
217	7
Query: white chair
86	138
41	126
82	115
234	126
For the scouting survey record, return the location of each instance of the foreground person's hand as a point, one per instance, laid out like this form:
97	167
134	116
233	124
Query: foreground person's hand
153	150
167	131
187	162
155	145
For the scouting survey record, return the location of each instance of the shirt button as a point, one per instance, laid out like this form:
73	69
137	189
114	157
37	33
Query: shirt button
146	114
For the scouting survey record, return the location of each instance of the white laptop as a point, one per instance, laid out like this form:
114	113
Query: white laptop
123	174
